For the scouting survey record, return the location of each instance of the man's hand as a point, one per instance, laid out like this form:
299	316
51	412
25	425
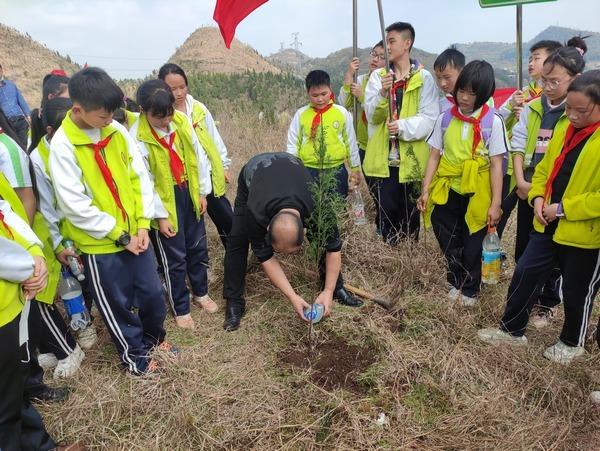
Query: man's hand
354	179
422	201
166	228
227	176
37	282
549	212
134	245
63	256
386	84
538	210
494	215
393	128
325	298
523	189
299	305
143	240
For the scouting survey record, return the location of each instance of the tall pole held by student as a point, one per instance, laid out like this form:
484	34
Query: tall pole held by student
519	51
387	57
354	55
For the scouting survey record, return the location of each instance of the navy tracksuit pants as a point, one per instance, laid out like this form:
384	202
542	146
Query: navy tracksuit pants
130	299
580	269
185	254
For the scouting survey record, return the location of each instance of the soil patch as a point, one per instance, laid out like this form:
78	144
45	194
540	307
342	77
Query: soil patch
333	364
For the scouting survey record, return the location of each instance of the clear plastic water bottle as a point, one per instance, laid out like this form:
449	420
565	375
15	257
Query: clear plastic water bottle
314	313
70	292
358	207
75	263
491	258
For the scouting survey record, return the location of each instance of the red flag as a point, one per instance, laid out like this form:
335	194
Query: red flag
229	13
501	95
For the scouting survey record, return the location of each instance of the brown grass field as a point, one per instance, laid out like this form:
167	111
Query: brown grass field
420	364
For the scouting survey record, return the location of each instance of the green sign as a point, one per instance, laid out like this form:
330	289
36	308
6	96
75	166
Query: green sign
492	3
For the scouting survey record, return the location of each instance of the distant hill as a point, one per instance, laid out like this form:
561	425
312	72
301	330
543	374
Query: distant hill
205	52
26	61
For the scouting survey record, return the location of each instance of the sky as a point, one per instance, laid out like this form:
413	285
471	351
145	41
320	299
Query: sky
130	38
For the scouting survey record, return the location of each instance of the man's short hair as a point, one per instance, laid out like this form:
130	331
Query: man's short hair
403	27
93	89
317	78
285	215
450	57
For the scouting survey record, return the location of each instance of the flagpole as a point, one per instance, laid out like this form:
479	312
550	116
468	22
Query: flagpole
385	47
519	47
354	55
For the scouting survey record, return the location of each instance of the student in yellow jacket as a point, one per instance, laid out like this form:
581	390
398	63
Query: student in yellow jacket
397	152
565	196
180	172
529	142
104	191
218	206
23	274
462	186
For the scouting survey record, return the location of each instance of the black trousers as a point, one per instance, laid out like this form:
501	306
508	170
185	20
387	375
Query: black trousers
183	256
55	335
21	127
130	299
580	269
549	296
509	202
220	212
372	183
21	426
398	212
461	249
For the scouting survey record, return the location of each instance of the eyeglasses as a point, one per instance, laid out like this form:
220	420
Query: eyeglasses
552	84
377	56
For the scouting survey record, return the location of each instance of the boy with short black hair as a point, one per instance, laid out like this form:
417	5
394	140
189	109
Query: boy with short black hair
105	193
447	67
397	152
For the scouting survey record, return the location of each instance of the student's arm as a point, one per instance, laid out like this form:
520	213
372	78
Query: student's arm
436	146
47	206
27	197
376	106
350	142
498	148
345	98
14	164
216	137
419	127
518	145
71	194
203	167
294	137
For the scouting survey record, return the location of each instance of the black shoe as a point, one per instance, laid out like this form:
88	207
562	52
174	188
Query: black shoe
233	317
345	298
50	394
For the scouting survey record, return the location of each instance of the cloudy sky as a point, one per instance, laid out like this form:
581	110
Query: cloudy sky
130	38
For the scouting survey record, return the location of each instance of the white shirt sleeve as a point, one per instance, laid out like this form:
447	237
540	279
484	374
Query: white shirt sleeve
14	164
518	141
293	134
204	167
16	264
504	110
436	138
498	143
47	200
351	136
419	127
216	137
372	94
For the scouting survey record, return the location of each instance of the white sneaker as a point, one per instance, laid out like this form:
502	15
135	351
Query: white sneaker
495	336
453	294
541	317
87	337
47	361
562	353
69	366
467	301
595	397
206	303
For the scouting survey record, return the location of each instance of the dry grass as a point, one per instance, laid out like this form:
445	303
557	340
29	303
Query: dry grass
438	385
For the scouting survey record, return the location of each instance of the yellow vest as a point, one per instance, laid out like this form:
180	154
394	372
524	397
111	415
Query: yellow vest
362	132
413	154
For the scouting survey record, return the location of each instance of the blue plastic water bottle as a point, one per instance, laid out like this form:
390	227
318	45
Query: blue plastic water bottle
314	313
70	292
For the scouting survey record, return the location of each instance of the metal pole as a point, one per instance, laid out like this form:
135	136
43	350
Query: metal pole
354	55
385	48
519	47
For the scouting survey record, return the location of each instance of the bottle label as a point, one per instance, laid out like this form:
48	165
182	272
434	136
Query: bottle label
74	305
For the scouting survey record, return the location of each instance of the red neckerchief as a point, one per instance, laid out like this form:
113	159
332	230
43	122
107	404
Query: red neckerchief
534	93
319	116
5	225
450	99
363	117
400	84
573	138
476	121
177	168
105	170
